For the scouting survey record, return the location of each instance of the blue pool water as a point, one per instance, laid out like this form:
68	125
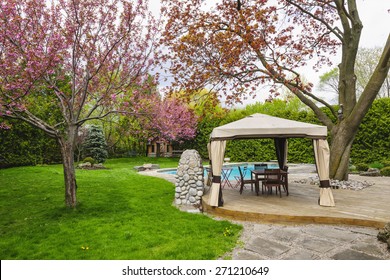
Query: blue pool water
235	173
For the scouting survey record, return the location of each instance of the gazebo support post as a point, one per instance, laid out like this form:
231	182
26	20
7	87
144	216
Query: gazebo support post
216	152
321	152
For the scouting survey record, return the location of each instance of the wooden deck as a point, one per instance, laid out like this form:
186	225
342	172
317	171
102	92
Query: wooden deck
368	207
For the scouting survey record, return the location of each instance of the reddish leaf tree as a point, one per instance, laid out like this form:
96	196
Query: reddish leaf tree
236	46
83	53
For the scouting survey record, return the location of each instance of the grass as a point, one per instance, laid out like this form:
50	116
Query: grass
120	215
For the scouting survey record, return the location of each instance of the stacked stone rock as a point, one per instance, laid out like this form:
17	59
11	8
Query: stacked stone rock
189	179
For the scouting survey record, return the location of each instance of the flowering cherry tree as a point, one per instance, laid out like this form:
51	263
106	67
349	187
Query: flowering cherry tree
237	46
168	119
79	55
174	121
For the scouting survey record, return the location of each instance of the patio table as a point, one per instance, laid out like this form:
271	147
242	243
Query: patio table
258	175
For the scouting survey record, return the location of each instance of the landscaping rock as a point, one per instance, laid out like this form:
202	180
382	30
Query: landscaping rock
89	166
373	172
147	167
85	165
350	185
190	179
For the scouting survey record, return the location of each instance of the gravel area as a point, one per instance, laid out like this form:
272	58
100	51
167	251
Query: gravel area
350	184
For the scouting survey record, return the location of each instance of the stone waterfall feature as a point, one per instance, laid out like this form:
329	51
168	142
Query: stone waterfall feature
189	179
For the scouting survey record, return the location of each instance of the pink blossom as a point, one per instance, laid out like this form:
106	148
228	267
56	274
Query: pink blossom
99	48
167	120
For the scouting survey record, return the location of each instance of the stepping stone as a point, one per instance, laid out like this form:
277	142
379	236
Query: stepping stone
300	255
247	255
338	234
365	231
369	249
285	235
266	247
317	245
353	255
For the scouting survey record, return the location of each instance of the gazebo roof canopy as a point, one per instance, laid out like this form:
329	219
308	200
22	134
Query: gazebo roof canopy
264	126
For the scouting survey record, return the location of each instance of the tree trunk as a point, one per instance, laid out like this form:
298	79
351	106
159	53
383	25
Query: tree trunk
340	150
67	151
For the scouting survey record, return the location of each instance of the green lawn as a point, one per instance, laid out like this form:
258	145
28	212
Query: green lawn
121	215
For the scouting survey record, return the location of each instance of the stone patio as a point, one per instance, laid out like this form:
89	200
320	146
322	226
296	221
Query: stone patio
308	242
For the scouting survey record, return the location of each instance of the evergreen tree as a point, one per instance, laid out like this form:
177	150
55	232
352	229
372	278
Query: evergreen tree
95	144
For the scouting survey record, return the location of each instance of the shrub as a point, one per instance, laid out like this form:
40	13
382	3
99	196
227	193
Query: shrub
90	160
377	165
95	144
352	168
386	163
361	167
385	171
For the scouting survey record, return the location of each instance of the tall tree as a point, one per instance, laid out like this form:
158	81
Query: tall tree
204	103
236	47
365	65
366	61
329	81
98	48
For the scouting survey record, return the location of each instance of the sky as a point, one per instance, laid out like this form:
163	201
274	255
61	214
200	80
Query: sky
375	16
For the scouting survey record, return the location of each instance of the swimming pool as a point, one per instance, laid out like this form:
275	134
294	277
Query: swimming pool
234	167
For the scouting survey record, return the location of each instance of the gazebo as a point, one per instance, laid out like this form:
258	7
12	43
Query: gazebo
263	126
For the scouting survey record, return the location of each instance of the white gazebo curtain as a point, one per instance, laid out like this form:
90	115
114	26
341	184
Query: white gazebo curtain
321	152
216	152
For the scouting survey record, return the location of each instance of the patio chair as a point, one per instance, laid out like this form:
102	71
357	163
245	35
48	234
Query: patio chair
285	180
260	166
257	166
244	181
273	178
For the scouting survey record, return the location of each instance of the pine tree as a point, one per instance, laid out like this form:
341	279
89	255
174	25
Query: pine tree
95	144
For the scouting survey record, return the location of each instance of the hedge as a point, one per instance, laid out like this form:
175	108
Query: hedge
24	145
372	143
